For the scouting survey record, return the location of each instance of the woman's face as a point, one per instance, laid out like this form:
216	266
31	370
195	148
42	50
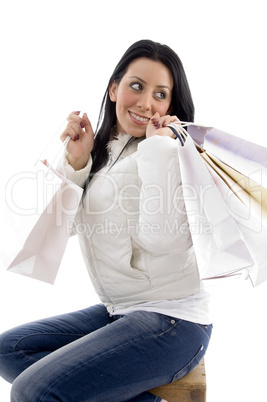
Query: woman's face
145	88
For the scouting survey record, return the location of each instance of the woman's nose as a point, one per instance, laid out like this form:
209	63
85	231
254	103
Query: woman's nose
145	102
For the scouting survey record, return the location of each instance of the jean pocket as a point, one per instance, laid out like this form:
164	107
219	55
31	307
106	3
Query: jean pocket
207	329
191	365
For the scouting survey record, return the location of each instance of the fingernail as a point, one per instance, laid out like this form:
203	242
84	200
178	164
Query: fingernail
81	124
76	112
163	124
77	137
153	120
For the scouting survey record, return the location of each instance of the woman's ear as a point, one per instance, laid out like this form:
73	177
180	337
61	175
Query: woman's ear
113	88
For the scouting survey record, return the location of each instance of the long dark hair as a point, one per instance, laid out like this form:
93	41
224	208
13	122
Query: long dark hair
181	104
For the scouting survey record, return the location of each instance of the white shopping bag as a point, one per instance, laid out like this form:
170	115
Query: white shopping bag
230	190
43	249
245	208
219	247
244	156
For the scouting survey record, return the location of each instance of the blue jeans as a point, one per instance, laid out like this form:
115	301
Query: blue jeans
89	356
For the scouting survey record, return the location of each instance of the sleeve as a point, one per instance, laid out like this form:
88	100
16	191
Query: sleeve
76	176
163	223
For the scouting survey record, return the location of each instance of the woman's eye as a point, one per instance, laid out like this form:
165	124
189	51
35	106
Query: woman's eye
136	86
160	95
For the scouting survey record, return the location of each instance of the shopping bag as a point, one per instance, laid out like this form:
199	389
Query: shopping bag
244	156
245	209
252	194
239	172
219	248
43	249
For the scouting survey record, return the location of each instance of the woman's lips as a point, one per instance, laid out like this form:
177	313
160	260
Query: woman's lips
138	119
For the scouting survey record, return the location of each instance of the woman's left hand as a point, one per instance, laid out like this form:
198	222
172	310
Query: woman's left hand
157	125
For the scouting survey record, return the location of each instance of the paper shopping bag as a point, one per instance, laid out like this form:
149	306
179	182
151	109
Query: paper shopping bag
43	249
252	194
244	156
247	203
253	229
239	170
218	243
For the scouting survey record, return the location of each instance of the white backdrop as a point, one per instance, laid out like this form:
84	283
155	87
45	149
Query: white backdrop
56	57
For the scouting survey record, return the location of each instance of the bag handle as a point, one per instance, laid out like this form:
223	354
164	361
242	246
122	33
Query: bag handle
62	147
178	129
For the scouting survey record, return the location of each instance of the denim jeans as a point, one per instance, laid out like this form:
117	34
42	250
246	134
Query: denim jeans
89	356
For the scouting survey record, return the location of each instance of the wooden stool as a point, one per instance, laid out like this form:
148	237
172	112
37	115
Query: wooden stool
190	388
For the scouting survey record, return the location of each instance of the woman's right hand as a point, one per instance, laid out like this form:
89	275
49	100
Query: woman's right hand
82	140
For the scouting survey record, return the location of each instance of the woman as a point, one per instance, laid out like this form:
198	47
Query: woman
153	325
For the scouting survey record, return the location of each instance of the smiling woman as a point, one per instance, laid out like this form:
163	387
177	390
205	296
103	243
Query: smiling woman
154	312
145	89
172	75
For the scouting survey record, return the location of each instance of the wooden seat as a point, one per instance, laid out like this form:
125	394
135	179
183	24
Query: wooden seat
190	388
